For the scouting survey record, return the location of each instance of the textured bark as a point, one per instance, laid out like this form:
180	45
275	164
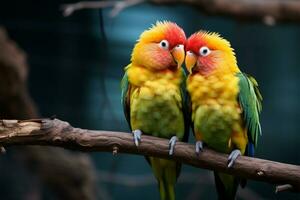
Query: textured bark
57	168
268	11
58	133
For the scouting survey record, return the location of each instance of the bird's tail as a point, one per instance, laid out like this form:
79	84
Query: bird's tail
166	190
226	185
166	173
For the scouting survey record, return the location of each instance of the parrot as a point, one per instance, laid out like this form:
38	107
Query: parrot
153	96
225	104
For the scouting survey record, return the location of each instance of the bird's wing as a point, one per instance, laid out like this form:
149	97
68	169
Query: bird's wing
186	114
185	107
125	99
250	101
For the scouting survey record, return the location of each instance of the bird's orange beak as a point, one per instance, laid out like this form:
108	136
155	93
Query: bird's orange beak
178	54
190	61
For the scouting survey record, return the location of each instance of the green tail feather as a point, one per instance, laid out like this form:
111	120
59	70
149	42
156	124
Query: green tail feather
226	185
166	173
166	190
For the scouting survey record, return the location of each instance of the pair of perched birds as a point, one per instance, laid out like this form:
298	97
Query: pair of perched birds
217	100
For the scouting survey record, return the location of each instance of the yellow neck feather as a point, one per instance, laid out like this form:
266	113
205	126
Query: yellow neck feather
140	76
216	90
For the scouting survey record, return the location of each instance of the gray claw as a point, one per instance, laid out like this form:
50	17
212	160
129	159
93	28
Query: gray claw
199	147
233	156
137	136
172	143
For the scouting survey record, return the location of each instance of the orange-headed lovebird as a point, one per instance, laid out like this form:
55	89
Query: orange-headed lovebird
225	104
153	96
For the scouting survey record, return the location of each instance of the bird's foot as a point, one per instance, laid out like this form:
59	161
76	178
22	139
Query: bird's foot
232	157
172	143
137	136
199	146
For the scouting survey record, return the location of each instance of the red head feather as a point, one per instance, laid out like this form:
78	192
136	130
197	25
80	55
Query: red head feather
194	43
174	34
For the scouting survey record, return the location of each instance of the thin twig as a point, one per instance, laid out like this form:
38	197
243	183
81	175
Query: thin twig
117	6
69	9
123	5
282	188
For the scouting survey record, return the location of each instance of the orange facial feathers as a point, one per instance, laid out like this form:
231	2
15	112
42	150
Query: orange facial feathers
161	47
208	52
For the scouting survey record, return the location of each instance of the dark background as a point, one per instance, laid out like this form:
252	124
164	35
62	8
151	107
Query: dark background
76	65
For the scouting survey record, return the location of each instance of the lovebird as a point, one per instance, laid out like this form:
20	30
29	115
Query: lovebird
153	96
225	104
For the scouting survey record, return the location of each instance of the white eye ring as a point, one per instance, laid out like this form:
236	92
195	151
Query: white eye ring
204	51
189	53
164	44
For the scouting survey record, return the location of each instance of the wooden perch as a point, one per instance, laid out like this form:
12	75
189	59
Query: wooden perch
269	12
54	132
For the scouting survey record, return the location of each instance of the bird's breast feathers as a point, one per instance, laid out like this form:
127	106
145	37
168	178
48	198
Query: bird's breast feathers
215	110
156	101
213	90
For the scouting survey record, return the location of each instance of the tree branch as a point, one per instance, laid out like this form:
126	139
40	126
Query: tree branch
269	12
59	133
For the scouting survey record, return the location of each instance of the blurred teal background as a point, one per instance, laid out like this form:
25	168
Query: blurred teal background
76	65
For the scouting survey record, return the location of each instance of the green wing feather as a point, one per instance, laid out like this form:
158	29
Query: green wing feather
250	100
186	114
125	98
185	107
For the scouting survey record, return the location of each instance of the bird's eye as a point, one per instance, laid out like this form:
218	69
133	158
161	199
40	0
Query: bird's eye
189	53
204	51
164	44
